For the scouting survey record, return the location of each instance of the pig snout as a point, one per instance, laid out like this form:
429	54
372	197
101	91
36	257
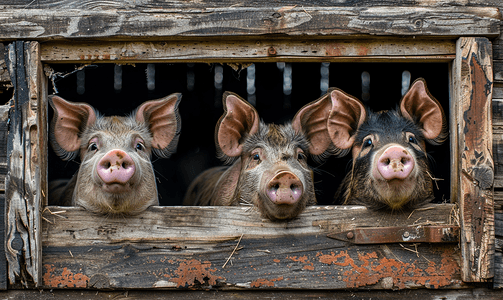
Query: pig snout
284	188
116	167
395	163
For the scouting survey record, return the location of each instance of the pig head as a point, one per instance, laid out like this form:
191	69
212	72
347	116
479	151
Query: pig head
115	174
268	162
390	164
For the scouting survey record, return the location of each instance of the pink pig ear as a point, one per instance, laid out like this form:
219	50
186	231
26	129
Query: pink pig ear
239	120
423	109
346	116
312	121
69	121
164	123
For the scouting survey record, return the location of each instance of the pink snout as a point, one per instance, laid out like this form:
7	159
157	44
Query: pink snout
395	163
116	167
284	188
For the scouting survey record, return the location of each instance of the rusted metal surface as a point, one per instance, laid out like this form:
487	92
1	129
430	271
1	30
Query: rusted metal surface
406	234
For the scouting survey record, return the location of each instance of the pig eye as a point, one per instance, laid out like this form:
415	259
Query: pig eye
256	157
412	139
301	156
139	147
367	142
92	147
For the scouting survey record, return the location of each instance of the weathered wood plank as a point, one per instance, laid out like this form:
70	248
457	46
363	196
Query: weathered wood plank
416	294
3	260
4	74
4	115
186	247
4	130
498	257
498	155
250	50
498	75
74	226
232	21
473	93
176	4
25	147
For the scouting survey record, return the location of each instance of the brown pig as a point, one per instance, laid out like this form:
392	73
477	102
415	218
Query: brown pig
115	175
269	168
390	164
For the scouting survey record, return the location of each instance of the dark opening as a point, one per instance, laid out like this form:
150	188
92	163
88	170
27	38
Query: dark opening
274	96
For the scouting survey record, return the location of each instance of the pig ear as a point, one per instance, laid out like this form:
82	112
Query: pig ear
312	121
423	109
69	121
346	116
164	123
239	120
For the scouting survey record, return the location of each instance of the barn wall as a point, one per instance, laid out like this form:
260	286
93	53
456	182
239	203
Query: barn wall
201	6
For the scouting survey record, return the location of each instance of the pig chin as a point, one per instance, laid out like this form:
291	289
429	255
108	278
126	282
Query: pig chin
279	212
115	199
395	193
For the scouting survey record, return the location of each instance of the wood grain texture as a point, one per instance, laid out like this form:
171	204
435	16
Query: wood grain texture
473	77
416	294
250	50
186	247
498	257
4	115
234	21
180	4
23	185
4	132
3	260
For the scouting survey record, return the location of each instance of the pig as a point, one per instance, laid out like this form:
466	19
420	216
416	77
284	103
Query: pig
115	176
269	162
390	164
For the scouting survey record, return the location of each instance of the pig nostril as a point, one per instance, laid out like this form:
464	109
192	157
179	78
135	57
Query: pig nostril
107	165
387	161
124	165
276	187
403	160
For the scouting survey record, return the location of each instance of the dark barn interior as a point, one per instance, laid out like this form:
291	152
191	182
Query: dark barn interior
277	90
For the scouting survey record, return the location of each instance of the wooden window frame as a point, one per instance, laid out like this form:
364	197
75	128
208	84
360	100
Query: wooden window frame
182	247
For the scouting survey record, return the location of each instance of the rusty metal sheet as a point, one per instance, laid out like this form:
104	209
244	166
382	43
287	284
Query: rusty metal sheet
405	234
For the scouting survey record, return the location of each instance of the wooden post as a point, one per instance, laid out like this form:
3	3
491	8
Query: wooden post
26	180
472	95
4	116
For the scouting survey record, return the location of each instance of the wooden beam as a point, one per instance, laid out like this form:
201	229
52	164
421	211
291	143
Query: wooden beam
209	4
187	247
472	92
235	21
417	294
26	144
250	50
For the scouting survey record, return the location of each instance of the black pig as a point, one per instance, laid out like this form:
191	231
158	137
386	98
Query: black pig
390	165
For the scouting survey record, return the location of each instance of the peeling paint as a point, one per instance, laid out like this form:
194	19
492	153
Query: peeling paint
368	269
303	259
190	271
66	279
265	282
